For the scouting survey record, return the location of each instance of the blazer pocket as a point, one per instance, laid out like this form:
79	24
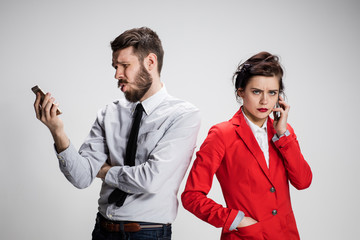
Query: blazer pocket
252	232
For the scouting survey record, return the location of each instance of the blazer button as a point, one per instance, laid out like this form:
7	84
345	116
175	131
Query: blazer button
274	212
272	189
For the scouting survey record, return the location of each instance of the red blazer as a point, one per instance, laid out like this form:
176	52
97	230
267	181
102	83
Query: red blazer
232	153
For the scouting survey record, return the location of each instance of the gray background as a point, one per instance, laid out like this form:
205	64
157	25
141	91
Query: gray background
63	46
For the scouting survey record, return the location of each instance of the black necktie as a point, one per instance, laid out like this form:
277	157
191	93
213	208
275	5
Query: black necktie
118	195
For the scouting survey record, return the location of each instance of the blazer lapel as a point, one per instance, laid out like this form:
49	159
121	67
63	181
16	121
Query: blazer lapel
272	149
247	136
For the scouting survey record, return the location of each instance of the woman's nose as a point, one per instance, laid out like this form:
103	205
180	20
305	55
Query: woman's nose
264	99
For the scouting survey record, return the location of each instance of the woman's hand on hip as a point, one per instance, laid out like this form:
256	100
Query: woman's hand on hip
246	221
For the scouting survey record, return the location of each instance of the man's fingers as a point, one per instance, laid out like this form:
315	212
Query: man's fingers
37	105
54	108
48	107
45	107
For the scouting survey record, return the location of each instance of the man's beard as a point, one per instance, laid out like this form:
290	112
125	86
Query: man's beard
143	82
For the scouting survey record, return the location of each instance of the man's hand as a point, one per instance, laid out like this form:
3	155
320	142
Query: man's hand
46	113
246	221
103	171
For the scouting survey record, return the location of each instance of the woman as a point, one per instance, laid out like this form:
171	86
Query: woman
254	159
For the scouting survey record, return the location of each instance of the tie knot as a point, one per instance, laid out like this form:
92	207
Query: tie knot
138	110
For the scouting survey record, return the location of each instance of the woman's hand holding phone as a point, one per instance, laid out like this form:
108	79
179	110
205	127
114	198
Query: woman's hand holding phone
280	123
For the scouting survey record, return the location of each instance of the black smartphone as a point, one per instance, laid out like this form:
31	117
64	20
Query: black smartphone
36	90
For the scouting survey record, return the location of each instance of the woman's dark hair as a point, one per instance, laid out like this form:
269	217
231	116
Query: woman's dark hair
143	40
261	64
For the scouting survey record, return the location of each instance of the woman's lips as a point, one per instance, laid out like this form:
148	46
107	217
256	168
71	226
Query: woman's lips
262	109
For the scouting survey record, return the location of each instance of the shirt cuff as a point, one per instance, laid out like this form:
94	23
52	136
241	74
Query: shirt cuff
111	177
276	138
65	155
239	217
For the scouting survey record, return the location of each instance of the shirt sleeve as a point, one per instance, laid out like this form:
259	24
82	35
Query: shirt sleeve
81	168
276	137
168	161
237	220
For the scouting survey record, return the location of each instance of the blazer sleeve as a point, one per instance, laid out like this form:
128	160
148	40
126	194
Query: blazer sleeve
298	169
194	198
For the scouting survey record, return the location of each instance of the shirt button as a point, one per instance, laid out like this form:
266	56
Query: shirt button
274	212
272	189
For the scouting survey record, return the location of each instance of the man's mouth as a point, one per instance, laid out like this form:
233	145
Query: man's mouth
121	85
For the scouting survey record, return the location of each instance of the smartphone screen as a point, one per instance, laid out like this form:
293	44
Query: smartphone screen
36	90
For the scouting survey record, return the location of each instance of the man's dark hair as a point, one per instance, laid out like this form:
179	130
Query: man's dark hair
143	40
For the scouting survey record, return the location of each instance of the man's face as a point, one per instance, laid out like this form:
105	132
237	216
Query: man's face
133	78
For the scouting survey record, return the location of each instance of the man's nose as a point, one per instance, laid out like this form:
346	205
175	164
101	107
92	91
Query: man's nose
119	73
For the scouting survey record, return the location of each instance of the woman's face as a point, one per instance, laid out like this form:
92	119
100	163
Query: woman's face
259	98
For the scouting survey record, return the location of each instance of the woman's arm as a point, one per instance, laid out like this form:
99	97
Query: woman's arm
194	198
299	171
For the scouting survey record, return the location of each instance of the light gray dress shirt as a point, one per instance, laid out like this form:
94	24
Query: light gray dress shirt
166	143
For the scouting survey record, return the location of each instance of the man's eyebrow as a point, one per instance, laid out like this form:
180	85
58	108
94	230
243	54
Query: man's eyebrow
114	63
121	62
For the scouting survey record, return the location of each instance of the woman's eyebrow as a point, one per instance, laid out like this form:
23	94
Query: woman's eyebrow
256	89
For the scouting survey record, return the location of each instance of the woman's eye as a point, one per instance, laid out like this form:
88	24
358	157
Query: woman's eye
272	93
256	92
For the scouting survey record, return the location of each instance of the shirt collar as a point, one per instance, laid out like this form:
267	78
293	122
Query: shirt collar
254	128
152	102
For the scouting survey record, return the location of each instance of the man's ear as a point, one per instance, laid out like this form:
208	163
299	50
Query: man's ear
150	62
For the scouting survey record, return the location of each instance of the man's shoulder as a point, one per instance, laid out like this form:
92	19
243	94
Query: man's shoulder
178	104
118	105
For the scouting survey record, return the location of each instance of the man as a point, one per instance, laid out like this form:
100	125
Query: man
138	199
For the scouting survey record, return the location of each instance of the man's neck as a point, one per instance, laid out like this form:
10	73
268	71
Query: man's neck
155	87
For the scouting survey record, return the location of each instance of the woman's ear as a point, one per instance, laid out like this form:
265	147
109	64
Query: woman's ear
240	92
